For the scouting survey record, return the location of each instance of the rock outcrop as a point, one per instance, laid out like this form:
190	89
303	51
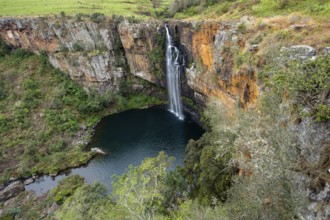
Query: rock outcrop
210	48
220	62
102	55
139	40
13	189
91	53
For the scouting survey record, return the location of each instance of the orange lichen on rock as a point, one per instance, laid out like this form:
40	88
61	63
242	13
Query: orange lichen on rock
29	40
202	43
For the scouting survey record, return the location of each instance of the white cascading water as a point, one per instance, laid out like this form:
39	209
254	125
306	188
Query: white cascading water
173	69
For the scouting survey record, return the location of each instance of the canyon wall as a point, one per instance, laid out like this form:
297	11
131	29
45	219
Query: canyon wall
103	55
220	59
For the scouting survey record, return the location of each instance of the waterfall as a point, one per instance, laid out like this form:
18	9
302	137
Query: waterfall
174	66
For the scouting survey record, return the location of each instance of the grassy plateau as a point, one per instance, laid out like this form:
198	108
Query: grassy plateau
139	8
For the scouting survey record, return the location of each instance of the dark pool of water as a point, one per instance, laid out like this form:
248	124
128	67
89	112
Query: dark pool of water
127	138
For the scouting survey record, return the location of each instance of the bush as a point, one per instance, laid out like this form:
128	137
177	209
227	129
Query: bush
78	17
89	202
138	191
2	91
117	18
306	82
281	3
97	17
66	188
263	147
77	47
207	164
241	28
21	53
4	48
4	123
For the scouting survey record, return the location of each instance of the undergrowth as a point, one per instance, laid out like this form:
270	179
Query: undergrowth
46	118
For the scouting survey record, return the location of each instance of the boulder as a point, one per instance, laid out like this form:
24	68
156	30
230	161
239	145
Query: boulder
326	51
28	181
254	47
300	52
97	150
11	190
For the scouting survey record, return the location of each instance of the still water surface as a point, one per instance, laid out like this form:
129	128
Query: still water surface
127	138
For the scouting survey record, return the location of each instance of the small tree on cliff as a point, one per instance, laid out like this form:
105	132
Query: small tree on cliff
264	148
139	191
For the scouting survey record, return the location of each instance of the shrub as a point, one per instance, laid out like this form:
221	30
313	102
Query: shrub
78	17
65	188
117	18
138	191
2	91
4	48
77	47
307	83
281	3
263	146
241	28
89	202
4	123
21	53
97	17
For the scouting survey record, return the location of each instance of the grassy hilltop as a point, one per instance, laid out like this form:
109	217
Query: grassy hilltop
139	8
180	9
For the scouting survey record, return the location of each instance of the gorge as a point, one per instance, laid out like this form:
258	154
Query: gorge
243	64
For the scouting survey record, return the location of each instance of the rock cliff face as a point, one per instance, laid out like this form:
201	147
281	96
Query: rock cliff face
220	60
139	40
102	55
91	53
209	47
220	56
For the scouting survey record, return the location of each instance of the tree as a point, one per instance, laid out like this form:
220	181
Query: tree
264	148
139	191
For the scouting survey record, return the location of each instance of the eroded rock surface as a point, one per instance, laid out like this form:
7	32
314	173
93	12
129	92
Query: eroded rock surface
13	189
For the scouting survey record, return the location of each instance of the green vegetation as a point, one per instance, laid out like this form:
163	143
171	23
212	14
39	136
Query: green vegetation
138	8
258	144
65	188
144	192
143	9
307	83
157	56
238	8
41	112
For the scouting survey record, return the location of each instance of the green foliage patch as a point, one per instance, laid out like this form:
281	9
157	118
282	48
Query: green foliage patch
157	56
64	8
42	110
307	83
238	8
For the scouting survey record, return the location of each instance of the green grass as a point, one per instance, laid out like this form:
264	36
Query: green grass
136	8
319	9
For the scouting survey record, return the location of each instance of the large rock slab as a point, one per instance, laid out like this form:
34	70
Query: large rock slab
300	52
11	190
